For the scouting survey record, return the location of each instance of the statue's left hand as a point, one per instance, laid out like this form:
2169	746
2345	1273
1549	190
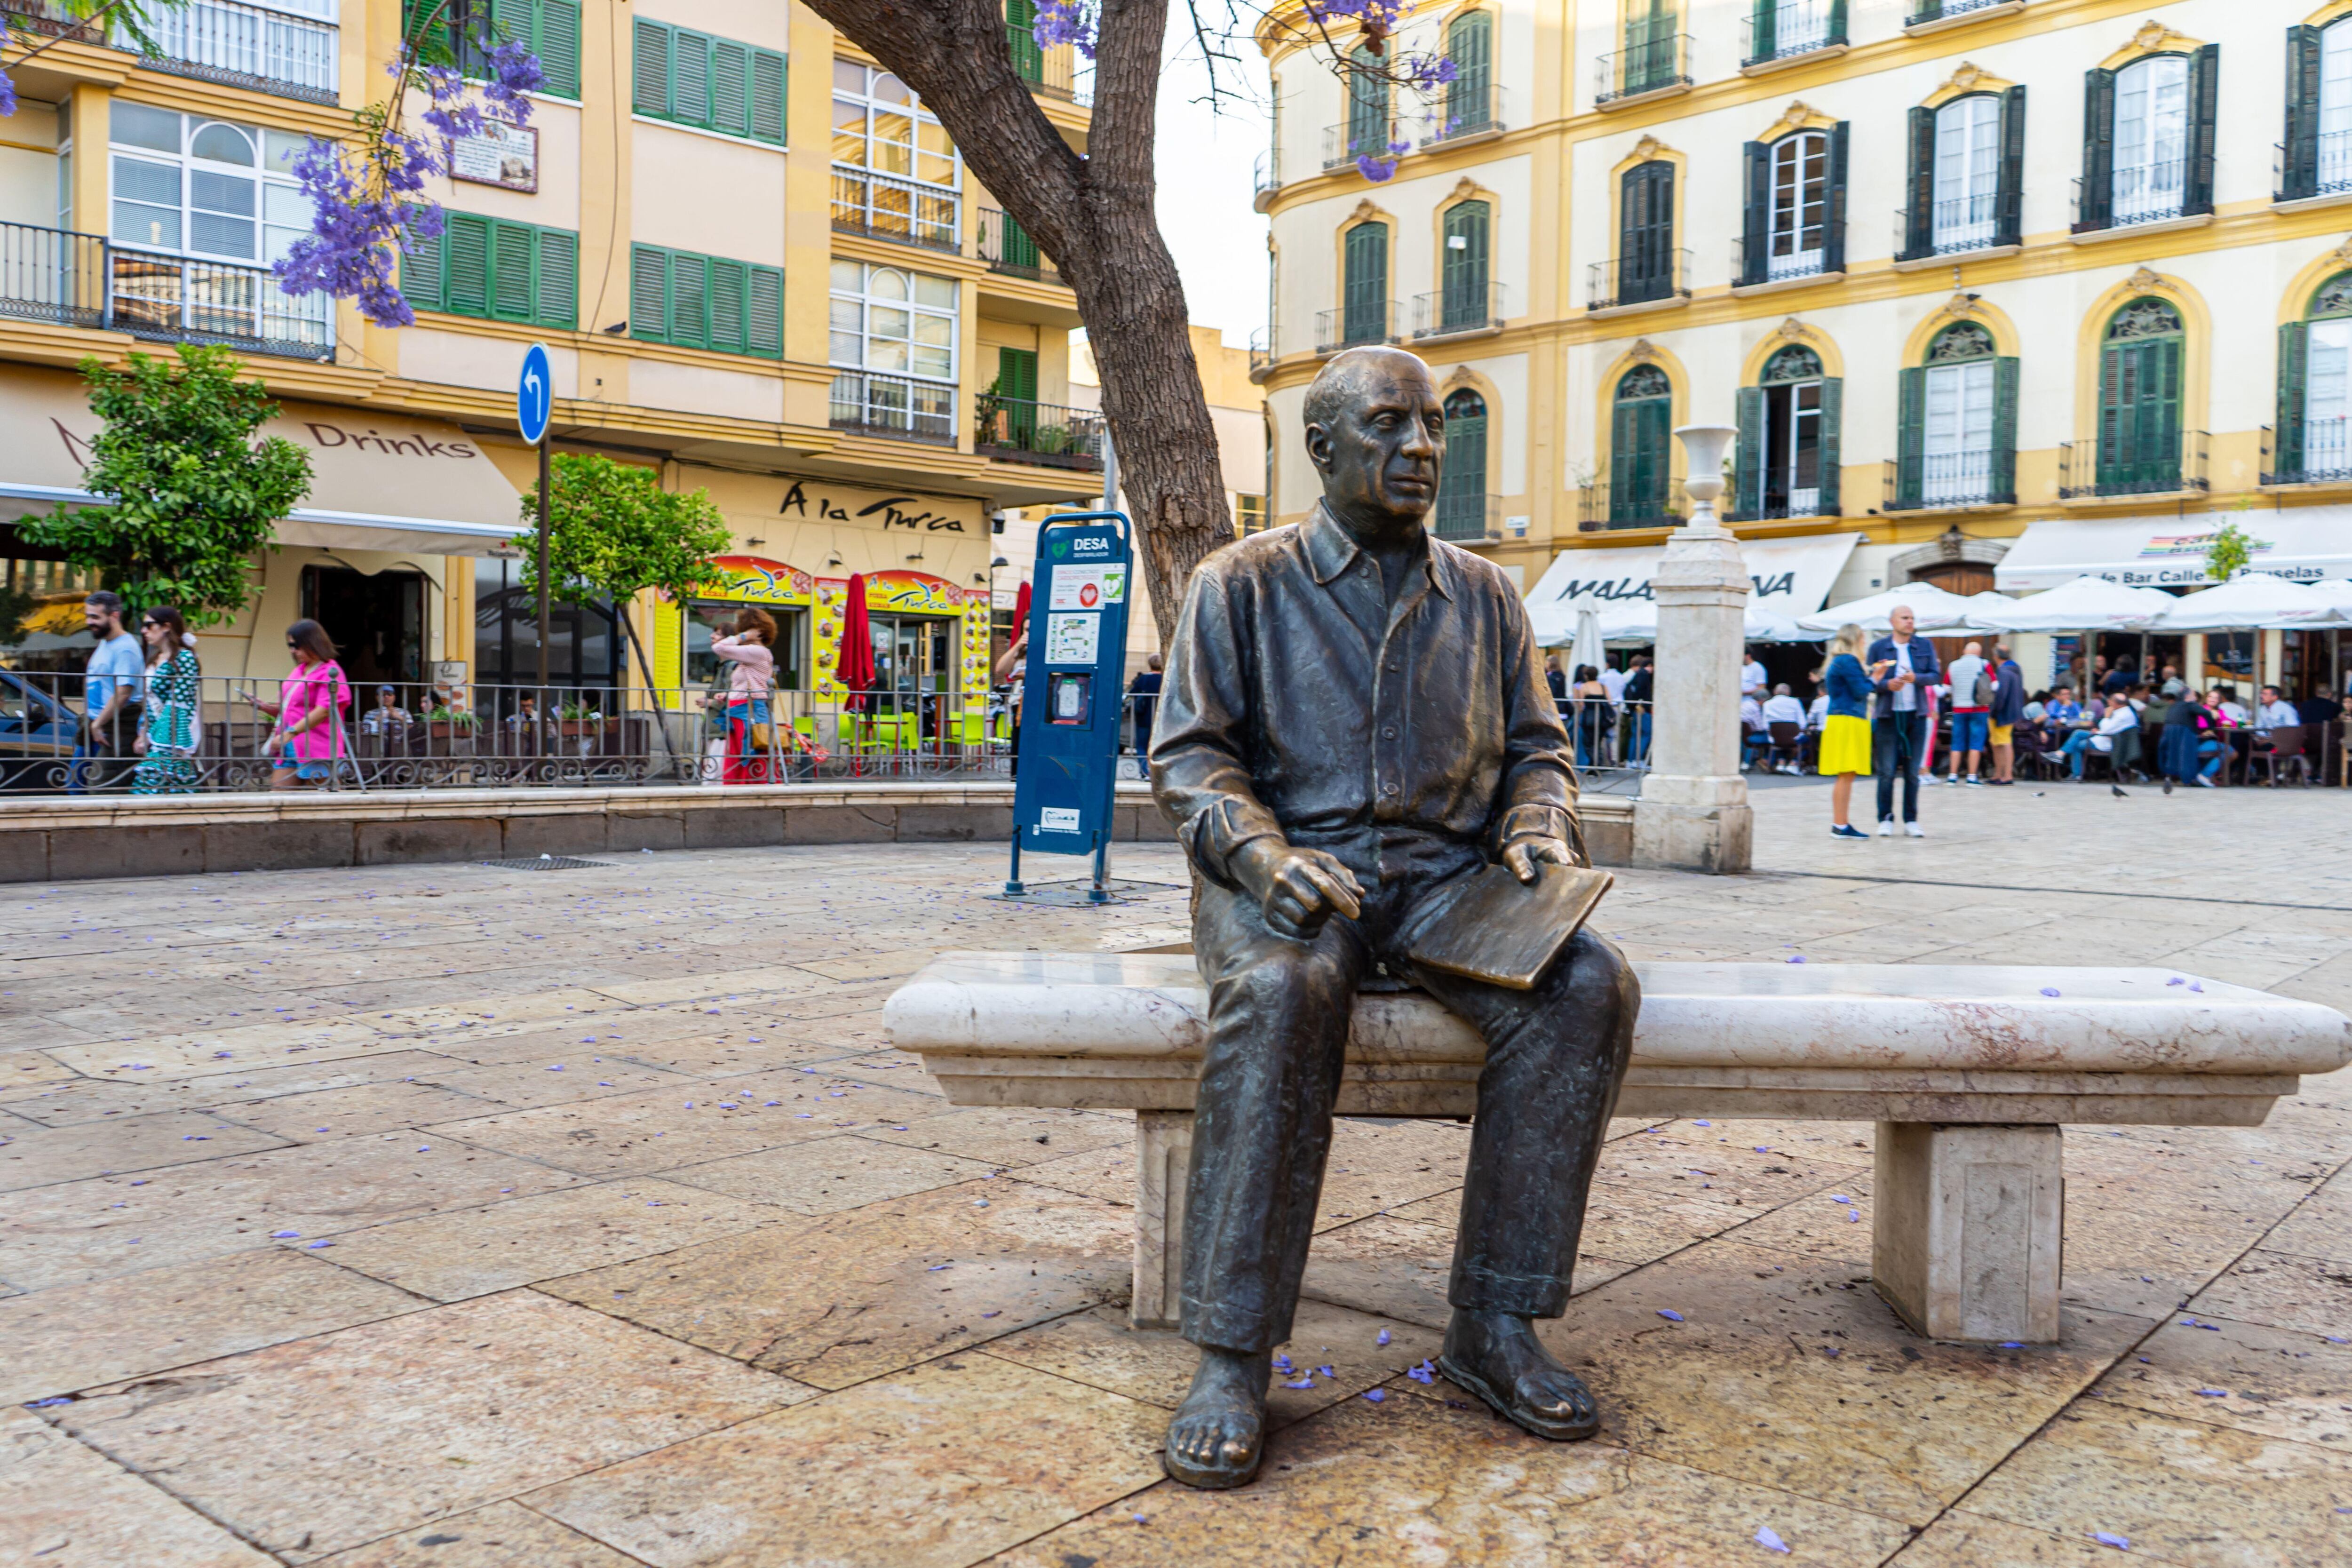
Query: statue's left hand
1524	856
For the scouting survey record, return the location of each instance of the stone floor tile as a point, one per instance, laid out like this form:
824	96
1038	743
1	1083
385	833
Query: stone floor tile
531	1081
1007	1138
2181	1492
1818	1226
28	1072
1108	1173
2282	1290
765	983
2146	1245
1440	1480
1961	1540
520	1241
325	1442
2321	1226
348	1113
55	1342
94	1230
826	1175
87	1099
890	1069
934	1467
1745	1384
2282	1382
246	1045
64	1506
503	1535
45	1156
1098	1348
851	1296
1377	1167
1680	1156
1395	1266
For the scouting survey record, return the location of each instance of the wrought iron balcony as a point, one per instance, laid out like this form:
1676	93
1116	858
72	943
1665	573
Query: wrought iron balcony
2321	454
1354	141
1460	112
259	48
1792	28
1946	481
1459	309
896	406
1007	247
1783	258
85	281
2151	192
1611	285
1808	502
1645	67
1927	11
889	207
2085	471
2329	173
52	275
1367	322
1954	227
1017	430
1059	73
1654	506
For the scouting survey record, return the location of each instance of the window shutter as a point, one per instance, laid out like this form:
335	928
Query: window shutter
1833	411
1833	235
466	244
649	293
514	294
1756	228
727	306
557	302
1749	470
767	96
650	92
2204	97
2008	193
1837	22
731	88
420	271
690	300
2098	151
689	80
1767	39
1910	435
2299	176
1016	374
763	312
1625	477
556	43
1920	228
2287	456
414	17
2004	429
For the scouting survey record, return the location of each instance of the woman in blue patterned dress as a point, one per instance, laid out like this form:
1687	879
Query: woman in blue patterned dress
168	732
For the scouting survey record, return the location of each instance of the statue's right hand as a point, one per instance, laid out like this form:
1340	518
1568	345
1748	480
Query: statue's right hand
1298	890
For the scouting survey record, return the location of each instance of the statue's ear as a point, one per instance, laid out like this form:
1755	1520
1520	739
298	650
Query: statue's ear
1319	448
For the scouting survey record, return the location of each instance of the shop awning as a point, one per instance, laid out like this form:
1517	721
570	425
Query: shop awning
1791	576
2304	544
378	481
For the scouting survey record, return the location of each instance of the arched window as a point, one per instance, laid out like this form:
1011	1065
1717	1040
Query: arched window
1470	96
1966	172
2314	398
1639	429
1462	482
2140	400
1462	300
1646	236
1788	463
1364	299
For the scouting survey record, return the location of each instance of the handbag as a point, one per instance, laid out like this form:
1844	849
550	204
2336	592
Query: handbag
760	736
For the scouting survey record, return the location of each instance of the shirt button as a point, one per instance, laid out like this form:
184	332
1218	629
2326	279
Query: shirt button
1388	789
1394	668
1389	733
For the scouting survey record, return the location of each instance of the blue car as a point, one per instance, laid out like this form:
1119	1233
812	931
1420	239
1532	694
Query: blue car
37	733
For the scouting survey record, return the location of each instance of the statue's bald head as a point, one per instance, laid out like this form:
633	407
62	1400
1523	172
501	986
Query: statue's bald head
1376	433
1344	382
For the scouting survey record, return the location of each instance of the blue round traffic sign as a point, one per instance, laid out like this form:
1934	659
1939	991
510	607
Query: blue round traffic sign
535	393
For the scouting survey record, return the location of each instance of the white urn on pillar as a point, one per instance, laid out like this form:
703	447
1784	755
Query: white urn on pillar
1693	812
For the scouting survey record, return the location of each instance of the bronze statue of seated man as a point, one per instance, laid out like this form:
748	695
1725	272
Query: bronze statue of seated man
1355	715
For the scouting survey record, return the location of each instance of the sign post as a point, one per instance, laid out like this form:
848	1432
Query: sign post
1072	692
534	403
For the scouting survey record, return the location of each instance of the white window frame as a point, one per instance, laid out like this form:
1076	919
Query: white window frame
1800	205
2335	105
272	192
864	96
2327	394
1968	173
2150	177
1955	431
853	316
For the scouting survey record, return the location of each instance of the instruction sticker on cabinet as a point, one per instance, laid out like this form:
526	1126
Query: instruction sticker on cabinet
1072	638
1084	587
1057	819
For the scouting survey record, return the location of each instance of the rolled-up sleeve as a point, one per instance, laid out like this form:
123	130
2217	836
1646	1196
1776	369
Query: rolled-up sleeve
1199	767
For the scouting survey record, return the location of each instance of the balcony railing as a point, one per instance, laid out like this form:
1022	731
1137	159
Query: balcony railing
2324	456
2147	192
887	206
1927	11
1806	502
1649	66
1467	518
1059	72
1262	351
1018	430
1598	509
53	21
2083	470
1612	284
1947	480
1954	226
254	46
1007	247
1265	175
83	280
1459	309
1471	111
2329	175
1347	142
1783	258
898	407
1790	28
1371	321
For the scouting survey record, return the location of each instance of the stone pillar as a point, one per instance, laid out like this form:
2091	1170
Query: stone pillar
1163	1173
1693	811
1967	1229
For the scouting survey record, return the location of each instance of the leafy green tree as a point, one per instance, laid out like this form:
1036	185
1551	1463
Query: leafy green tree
2229	553
617	532
195	490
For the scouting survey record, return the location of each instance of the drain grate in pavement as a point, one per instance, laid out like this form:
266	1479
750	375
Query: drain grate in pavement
1069	894
550	863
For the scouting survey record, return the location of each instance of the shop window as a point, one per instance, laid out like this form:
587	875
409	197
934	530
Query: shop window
584	646
708	619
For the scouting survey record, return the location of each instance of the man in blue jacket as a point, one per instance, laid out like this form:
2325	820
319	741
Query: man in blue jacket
1901	668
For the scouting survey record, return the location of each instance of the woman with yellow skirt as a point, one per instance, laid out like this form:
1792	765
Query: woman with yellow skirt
1846	730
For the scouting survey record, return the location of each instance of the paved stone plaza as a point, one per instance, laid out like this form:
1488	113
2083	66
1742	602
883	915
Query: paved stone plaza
461	1217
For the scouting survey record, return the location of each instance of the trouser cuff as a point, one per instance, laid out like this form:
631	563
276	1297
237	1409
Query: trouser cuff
1477	1289
1221	1327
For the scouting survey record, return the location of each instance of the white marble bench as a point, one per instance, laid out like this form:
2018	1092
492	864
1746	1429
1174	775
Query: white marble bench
1969	1071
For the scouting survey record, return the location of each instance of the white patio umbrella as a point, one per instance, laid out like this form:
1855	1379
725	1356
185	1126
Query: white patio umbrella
2255	601
1587	649
2086	604
1762	622
1985	610
2338	592
1932	609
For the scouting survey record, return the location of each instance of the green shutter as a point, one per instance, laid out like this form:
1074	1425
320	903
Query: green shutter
2204	100
1767	14
1021	39
2003	486
727	306
1747	497
466	248
1837	22
514	282
1832	503
1910	435
1756	221
689	83
1833	238
557	301
2008	185
1016	374
649	293
1366	284
1462	271
2295	342
415	17
1919	223
2299	173
763	313
1469	97
690	300
767	95
556	41
420	271
2098	151
650	94
731	88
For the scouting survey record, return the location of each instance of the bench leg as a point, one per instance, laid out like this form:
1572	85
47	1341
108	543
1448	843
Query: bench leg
1968	1227
1163	1173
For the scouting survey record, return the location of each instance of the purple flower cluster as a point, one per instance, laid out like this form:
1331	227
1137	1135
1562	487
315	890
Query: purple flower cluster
8	88
1065	22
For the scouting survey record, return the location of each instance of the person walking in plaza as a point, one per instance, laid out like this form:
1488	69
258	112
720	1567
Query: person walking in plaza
1845	728
2008	711
173	708
750	654
111	688
1143	698
308	745
1640	684
1900	666
1970	678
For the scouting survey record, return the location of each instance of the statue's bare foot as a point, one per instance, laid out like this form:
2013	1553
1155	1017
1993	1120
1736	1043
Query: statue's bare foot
1497	1357
1219	1431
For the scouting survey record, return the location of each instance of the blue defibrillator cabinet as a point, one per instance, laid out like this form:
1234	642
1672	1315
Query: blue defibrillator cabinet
1072	691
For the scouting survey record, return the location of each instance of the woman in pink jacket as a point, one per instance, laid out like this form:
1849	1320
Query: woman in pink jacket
311	741
751	658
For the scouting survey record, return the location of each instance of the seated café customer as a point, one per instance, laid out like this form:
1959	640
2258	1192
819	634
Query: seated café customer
387	717
1780	707
2273	712
1754	738
2319	708
2120	715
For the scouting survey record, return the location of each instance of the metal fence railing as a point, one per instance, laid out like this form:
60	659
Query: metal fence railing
87	280
1008	248
1789	28
1347	326
258	47
1019	430
1663	274
889	207
2169	463
898	407
1472	308
1645	66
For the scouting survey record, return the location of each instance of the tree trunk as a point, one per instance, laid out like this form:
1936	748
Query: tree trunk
1093	214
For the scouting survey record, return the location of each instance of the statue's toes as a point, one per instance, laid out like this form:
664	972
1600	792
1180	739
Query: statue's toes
1558	1395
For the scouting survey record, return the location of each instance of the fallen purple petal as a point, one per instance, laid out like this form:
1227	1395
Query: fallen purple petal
1670	1314
2050	990
1769	1539
2120	1542
1375	1395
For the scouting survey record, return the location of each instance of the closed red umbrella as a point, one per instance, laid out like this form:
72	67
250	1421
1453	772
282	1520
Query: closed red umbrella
1021	613
852	666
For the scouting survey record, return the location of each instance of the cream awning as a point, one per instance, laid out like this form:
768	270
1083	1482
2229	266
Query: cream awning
1791	576
2306	544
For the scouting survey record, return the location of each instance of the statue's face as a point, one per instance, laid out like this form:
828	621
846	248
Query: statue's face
1379	458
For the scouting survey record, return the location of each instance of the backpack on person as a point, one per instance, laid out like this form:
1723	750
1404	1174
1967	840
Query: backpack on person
1980	694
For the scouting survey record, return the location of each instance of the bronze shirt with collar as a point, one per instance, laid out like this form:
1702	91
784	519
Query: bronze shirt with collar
1299	703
